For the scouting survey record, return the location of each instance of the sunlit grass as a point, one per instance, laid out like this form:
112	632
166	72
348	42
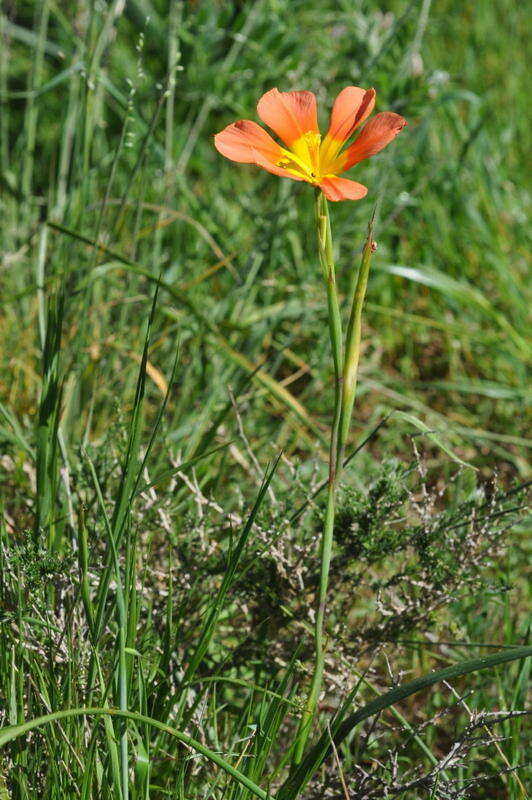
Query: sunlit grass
163	339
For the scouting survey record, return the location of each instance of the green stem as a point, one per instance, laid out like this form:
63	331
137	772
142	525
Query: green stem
335	332
335	325
345	374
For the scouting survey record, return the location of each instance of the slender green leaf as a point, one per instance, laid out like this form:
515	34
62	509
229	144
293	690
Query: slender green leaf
342	728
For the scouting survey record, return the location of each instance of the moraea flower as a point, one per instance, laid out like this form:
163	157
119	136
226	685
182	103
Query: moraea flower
292	116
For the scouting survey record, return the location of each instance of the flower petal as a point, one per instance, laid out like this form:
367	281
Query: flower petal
286	171
375	135
342	189
352	106
246	142
242	140
289	114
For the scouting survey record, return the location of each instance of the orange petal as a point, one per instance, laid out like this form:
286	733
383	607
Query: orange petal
276	169
352	106
289	114
246	142
375	135
342	189
243	139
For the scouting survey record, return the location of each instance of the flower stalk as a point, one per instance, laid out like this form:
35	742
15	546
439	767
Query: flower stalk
345	381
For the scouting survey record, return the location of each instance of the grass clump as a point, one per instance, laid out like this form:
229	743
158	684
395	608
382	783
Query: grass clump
164	360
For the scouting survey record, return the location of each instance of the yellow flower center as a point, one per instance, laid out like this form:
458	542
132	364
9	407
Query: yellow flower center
307	158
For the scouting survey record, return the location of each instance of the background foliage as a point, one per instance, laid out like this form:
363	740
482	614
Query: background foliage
147	425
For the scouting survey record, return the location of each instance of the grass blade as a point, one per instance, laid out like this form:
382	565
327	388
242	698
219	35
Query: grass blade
340	729
13	732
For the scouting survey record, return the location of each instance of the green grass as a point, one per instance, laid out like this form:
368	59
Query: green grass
166	404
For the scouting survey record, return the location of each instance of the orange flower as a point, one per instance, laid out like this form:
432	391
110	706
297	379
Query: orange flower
306	157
